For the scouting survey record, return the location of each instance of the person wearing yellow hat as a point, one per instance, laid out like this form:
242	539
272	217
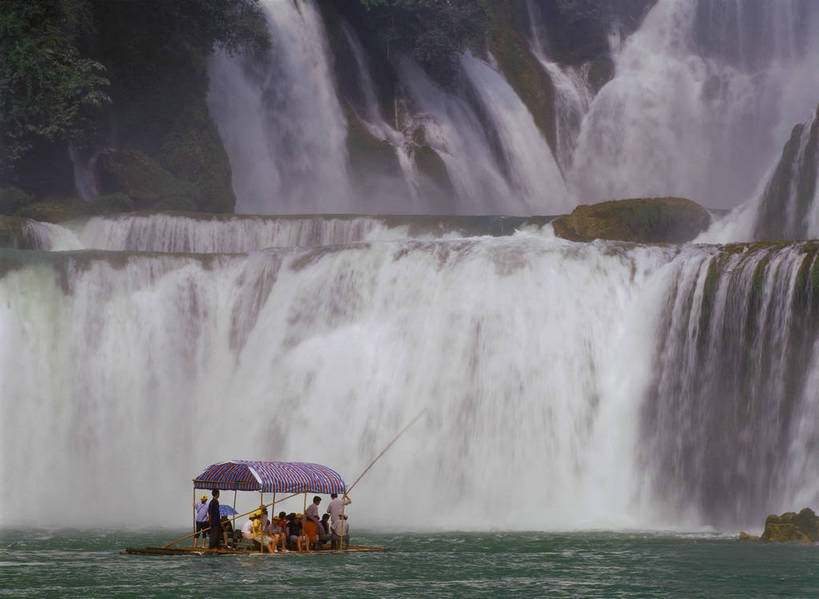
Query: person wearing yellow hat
201	510
259	535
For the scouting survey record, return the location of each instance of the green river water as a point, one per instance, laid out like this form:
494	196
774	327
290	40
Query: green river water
537	564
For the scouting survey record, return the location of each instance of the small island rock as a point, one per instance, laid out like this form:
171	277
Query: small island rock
788	528
641	220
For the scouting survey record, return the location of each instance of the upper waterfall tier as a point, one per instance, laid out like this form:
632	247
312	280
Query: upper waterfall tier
215	233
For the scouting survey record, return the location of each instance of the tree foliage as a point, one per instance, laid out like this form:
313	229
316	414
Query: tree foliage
48	91
71	68
433	32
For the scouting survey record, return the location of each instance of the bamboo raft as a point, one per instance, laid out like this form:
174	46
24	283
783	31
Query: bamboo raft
157	550
258	476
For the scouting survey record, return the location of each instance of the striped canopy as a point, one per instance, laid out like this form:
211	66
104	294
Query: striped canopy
270	477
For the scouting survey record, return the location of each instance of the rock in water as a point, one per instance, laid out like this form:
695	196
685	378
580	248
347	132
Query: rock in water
788	528
641	220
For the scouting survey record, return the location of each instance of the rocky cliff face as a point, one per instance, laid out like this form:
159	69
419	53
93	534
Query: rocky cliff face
787	207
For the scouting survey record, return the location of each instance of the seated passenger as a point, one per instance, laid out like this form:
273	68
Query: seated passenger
296	534
278	530
247	529
227	532
324	531
265	540
310	533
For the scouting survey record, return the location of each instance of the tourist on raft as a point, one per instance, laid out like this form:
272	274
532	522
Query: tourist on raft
263	539
214	521
201	510
295	534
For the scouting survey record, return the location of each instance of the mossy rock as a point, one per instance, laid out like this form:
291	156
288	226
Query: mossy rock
193	152
11	232
13	199
145	182
111	202
432	166
56	210
368	153
641	220
791	527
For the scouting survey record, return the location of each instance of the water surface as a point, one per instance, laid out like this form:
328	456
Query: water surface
587	564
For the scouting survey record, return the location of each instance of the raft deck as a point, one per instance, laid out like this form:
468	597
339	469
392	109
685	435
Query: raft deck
157	550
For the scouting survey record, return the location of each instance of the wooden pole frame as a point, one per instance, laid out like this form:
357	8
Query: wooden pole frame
194	515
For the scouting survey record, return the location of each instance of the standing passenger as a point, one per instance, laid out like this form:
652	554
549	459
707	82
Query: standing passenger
337	506
201	520
214	521
341	532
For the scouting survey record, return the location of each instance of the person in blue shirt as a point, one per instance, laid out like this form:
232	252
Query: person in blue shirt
214	521
201	509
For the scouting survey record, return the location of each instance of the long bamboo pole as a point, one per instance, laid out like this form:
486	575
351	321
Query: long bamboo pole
237	516
371	464
383	451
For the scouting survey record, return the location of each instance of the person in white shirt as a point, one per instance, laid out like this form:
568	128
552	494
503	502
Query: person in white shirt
247	529
337	506
341	532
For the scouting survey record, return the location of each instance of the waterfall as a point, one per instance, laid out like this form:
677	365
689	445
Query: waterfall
453	130
533	172
573	94
389	198
129	361
214	234
788	208
735	384
701	99
612	385
786	203
280	119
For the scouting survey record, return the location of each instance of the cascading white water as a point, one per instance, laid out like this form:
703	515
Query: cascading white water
734	389
280	120
533	173
693	110
199	233
219	234
573	94
535	358
389	198
786	204
126	362
456	134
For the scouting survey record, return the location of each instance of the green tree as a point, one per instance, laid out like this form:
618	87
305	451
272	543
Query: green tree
433	32
48	92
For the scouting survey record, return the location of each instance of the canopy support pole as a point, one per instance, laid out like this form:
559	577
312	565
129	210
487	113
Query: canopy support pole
304	509
343	524
194	517
233	520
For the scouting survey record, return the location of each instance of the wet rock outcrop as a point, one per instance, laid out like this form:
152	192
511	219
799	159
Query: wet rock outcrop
641	220
790	527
